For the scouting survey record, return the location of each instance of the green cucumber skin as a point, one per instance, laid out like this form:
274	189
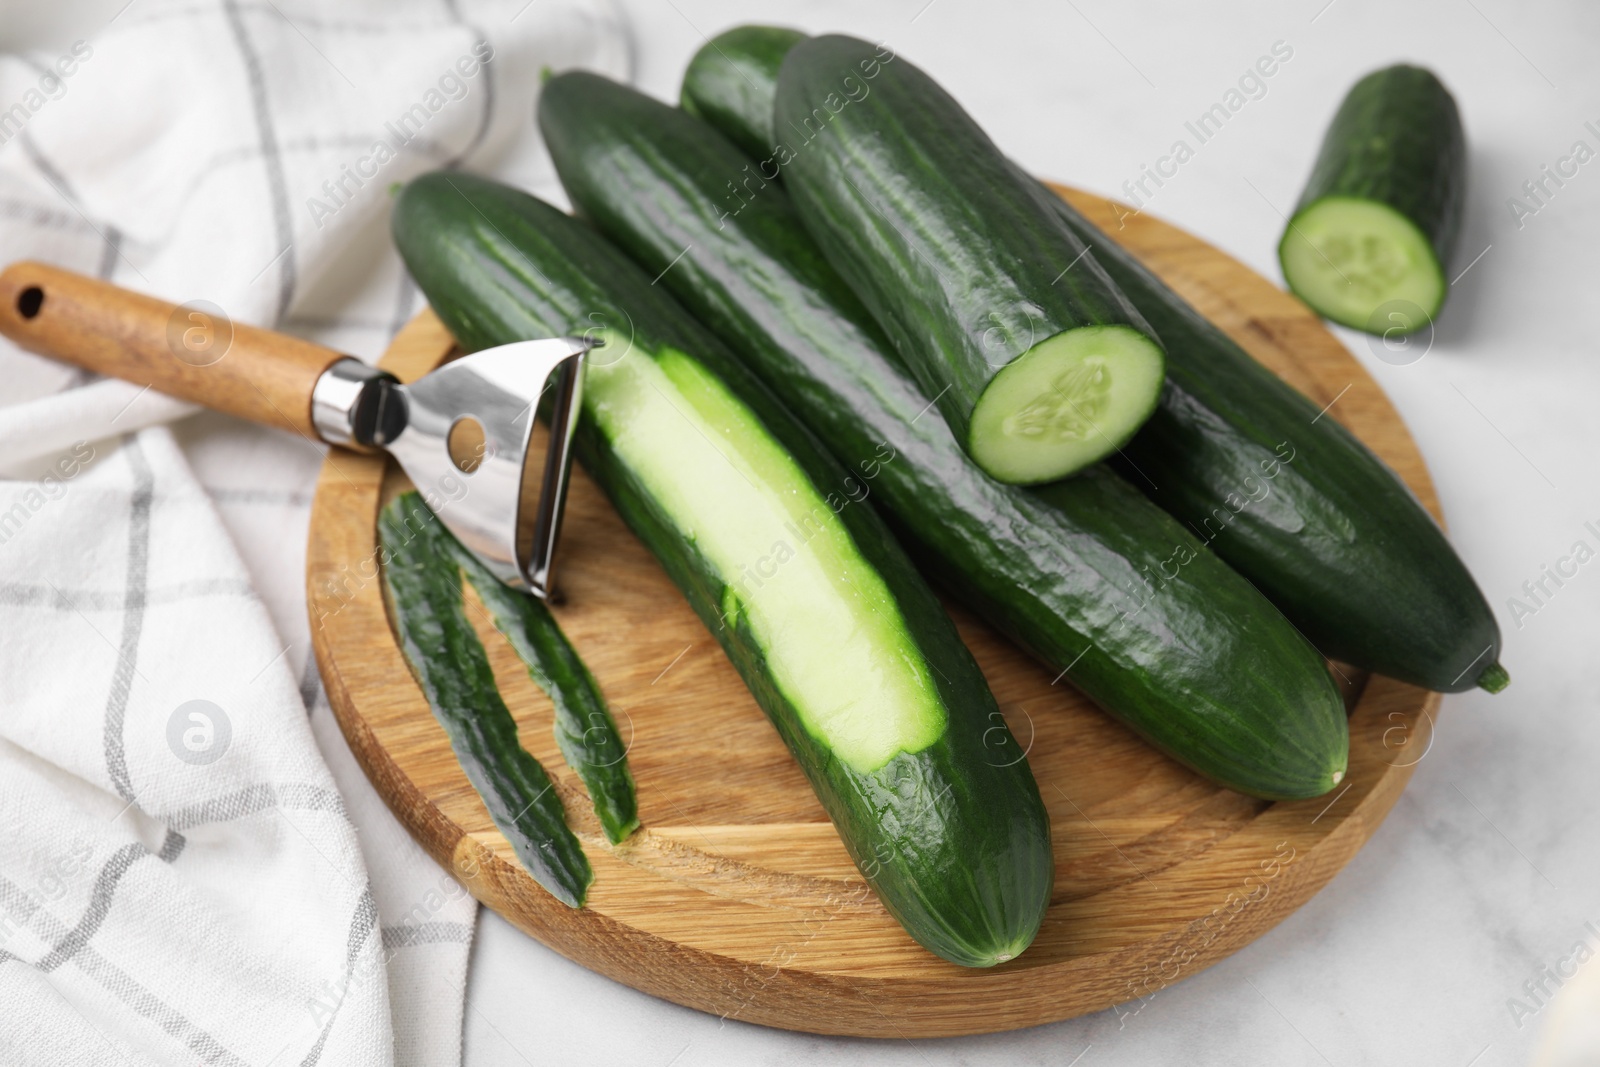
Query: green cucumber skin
741	108
423	591
584	729
1340	544
1368	576
1397	139
962	263
954	838
718	85
1204	670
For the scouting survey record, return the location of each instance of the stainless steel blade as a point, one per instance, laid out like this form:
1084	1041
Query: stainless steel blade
464	434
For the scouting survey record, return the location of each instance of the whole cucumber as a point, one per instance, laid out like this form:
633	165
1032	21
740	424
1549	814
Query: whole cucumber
1371	238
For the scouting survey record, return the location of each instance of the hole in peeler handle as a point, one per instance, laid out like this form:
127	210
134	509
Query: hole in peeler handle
29	301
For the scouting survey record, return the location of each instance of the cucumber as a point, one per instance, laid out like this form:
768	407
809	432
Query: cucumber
1038	363
844	647
422	587
1375	228
1336	540
722	84
584	729
1086	574
741	108
1345	551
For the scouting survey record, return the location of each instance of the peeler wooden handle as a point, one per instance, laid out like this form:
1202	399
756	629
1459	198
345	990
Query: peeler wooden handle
193	351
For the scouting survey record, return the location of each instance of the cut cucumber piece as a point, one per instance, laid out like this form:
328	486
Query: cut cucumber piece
1062	404
1363	264
1379	218
963	263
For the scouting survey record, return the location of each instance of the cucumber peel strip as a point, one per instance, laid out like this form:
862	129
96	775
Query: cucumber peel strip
423	593
584	728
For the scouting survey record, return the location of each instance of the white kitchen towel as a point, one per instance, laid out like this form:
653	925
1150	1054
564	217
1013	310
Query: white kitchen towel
192	867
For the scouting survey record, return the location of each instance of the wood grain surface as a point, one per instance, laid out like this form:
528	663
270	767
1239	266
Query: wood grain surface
191	351
737	897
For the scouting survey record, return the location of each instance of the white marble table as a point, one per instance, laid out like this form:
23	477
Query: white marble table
1487	869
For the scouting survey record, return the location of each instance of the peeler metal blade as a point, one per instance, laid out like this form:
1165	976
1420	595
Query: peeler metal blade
464	434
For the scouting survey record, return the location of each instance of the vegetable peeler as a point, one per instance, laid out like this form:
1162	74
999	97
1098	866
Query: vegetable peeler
472	417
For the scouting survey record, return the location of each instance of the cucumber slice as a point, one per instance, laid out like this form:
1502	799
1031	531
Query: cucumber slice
1363	264
1381	213
1065	403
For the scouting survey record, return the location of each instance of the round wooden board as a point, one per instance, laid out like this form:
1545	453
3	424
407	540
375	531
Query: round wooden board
737	897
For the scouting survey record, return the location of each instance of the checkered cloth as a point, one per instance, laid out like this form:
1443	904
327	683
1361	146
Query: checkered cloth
192	867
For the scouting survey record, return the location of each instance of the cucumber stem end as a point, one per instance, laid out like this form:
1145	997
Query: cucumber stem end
1494	678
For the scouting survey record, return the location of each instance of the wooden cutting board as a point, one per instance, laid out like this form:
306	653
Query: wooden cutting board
737	897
